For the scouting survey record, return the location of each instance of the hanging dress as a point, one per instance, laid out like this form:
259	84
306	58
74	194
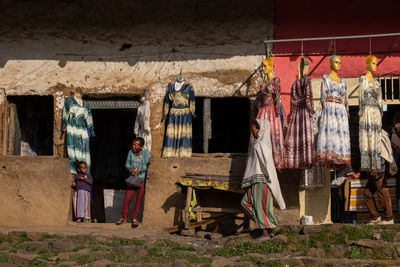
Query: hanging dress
78	122
315	176
333	147
142	124
370	126
269	108
299	141
178	137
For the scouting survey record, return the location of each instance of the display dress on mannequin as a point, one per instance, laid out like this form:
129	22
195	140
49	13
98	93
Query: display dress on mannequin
78	123
269	107
333	147
142	122
178	137
370	118
299	141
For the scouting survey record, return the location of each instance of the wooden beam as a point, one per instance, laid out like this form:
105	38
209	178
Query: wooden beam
187	206
177	228
206	123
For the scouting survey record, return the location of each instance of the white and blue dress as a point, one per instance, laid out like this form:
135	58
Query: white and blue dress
333	146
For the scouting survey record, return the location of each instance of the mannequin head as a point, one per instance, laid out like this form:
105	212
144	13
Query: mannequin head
268	65
372	63
78	92
335	63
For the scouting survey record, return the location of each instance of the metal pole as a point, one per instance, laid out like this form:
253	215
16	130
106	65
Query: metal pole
333	38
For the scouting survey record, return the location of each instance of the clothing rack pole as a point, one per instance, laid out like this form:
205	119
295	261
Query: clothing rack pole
332	38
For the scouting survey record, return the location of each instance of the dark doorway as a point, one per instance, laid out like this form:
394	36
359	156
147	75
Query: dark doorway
114	135
30	125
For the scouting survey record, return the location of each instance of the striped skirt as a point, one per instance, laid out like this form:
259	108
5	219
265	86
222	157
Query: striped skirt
258	205
178	138
82	204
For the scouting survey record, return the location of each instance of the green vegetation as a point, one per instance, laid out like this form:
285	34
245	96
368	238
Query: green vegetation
5	259
84	259
265	247
47	236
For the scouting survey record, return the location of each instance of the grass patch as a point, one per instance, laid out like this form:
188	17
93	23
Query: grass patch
165	251
6	259
21	239
356	253
262	262
47	236
126	242
78	248
116	257
265	247
37	263
193	259
83	259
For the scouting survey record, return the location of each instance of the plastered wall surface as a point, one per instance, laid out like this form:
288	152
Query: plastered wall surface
34	191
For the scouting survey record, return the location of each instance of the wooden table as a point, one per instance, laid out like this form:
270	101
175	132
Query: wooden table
204	182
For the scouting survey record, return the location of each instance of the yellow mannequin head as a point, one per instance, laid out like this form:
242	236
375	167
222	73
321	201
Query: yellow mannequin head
335	63
268	65
372	63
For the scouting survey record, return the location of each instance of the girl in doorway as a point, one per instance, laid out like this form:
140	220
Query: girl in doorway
82	183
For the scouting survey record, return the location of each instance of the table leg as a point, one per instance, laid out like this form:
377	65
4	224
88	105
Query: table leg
189	194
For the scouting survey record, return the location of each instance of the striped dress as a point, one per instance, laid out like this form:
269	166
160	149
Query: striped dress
178	137
78	122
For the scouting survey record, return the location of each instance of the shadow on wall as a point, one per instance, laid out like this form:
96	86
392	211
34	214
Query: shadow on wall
133	31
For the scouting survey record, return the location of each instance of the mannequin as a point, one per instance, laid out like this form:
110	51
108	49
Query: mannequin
370	118
270	108
178	137
142	122
78	123
333	147
78	96
299	142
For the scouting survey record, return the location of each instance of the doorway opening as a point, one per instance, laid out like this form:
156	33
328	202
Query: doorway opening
113	121
30	125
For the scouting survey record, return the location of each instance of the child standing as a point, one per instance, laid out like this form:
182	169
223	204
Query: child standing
83	180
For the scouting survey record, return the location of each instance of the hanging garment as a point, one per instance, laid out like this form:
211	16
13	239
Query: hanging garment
142	124
178	138
315	177
299	141
269	107
260	167
78	122
370	126
333	148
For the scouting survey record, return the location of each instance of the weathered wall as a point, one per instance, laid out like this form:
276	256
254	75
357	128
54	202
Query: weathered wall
120	47
34	191
163	204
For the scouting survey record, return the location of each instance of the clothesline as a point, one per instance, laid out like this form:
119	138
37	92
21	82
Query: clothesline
331	38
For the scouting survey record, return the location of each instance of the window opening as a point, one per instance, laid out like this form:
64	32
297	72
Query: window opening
390	89
30	125
221	125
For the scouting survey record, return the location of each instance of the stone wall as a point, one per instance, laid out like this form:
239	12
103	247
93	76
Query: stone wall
34	191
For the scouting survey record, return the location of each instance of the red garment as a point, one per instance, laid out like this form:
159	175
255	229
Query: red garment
269	104
129	194
299	141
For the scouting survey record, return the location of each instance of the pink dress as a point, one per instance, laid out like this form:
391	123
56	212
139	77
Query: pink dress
269	104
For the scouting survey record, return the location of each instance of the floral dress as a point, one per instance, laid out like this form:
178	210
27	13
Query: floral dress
370	126
269	107
333	147
299	141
